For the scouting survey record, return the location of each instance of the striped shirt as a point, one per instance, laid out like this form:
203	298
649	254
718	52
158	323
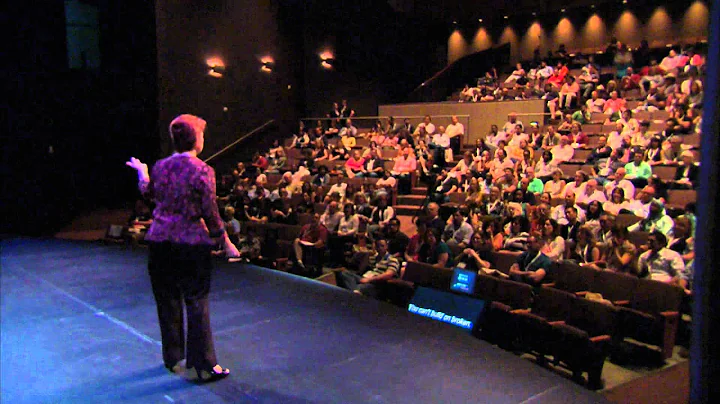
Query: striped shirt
378	265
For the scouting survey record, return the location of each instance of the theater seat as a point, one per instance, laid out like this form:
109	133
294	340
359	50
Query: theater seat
570	277
652	315
585	340
615	287
550	307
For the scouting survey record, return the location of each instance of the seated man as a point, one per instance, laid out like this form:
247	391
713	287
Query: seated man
589	194
686	175
532	265
313	238
382	266
458	232
660	263
656	220
445	184
397	241
562	152
618	181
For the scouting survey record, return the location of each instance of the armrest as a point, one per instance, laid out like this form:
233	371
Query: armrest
556	323
600	338
548	285
581	293
520	311
400	282
621	302
669	314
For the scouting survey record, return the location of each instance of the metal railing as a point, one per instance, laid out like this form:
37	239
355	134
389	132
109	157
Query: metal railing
243	137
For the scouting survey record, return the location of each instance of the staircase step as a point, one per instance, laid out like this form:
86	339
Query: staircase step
406	210
414	200
419	191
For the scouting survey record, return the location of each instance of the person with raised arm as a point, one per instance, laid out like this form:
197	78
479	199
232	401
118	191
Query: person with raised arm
185	228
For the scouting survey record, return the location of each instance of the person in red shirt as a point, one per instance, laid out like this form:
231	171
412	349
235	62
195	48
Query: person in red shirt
558	77
313	235
260	162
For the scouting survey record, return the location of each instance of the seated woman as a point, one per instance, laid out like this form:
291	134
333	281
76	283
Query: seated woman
554	245
592	216
556	185
346	233
622	254
617	203
517	74
473	194
434	251
586	253
478	254
517	234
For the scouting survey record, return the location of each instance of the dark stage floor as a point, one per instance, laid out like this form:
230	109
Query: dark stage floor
79	325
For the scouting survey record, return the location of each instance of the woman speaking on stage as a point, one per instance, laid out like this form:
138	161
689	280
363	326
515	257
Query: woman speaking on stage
186	225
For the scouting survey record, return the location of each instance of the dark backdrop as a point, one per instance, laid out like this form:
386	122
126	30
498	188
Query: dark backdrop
69	131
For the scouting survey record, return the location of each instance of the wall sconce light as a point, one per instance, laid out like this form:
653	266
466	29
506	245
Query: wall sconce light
267	64
327	60
217	67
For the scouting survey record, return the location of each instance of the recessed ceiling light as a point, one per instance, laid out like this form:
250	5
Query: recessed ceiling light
506	17
479	19
562	10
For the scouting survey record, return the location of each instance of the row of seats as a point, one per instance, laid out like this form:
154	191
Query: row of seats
576	332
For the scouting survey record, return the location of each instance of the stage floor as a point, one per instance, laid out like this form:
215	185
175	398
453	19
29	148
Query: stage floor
78	324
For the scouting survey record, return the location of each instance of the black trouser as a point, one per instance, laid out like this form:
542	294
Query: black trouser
455	144
180	273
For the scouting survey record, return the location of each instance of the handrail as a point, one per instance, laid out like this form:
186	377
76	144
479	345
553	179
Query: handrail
252	132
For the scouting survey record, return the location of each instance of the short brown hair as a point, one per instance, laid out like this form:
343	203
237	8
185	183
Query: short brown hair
184	131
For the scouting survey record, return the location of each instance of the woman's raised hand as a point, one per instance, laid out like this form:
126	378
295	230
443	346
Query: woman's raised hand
140	167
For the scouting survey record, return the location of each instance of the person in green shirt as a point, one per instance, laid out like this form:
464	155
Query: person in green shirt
581	116
535	185
638	170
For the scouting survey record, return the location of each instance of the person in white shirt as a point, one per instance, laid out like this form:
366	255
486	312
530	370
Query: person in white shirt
427	125
562	152
615	138
339	188
577	186
641	205
331	217
558	212
455	131
619	181
595	104
660	263
589	194
517	74
511	122
439	143
616	202
349	129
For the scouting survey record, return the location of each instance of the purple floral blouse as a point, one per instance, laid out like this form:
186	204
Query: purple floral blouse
186	212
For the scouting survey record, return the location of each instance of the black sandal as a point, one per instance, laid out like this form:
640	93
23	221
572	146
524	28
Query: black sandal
213	374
